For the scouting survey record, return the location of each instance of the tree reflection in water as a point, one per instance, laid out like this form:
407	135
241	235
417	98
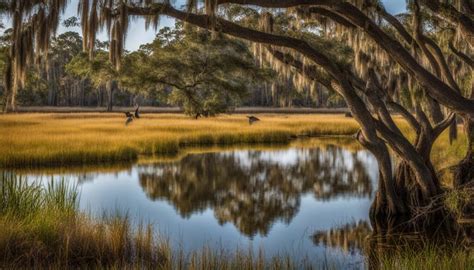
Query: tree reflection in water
350	238
254	189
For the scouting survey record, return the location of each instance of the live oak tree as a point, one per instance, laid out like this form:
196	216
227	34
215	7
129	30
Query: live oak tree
207	75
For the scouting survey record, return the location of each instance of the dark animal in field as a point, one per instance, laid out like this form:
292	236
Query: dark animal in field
137	113
348	114
129	120
130	116
252	119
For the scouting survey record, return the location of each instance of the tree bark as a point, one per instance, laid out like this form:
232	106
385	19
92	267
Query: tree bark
464	174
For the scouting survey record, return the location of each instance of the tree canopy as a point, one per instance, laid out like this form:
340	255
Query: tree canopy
207	75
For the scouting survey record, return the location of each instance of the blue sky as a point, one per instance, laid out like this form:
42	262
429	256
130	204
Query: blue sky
138	36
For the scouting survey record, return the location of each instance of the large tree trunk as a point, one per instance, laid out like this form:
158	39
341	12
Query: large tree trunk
11	100
10	89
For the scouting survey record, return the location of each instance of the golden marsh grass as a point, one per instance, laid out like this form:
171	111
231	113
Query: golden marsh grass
90	138
78	139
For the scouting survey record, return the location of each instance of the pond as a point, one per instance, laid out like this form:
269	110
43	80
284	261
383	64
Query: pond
309	200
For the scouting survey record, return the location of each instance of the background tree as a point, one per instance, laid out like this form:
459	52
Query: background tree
207	75
63	49
99	71
4	48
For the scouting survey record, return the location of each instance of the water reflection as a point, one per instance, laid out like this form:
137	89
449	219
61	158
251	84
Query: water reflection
350	238
254	189
272	199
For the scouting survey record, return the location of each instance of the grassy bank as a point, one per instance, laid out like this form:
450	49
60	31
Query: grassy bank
91	138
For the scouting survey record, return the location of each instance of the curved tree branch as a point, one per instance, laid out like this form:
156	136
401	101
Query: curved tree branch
441	126
464	57
408	153
406	114
328	14
421	39
396	24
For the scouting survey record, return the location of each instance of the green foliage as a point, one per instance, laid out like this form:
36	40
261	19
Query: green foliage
99	69
22	199
66	46
35	91
71	22
207	75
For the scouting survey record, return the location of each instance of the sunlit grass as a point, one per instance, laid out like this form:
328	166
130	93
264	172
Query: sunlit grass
429	258
445	155
92	138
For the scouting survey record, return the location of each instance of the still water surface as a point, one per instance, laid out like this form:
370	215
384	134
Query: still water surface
307	201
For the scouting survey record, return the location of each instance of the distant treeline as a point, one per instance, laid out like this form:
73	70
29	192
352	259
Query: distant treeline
69	77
